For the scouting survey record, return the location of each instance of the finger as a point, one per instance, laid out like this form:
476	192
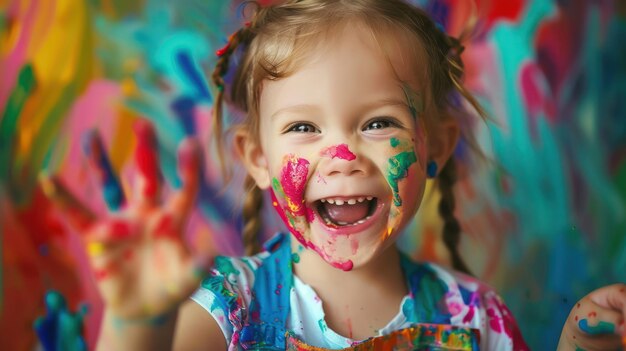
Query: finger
77	214
147	161
611	297
189	161
111	188
598	326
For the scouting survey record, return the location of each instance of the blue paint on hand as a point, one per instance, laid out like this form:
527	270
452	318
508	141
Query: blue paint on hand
600	328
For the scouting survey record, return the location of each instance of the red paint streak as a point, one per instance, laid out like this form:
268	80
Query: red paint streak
576	318
119	230
165	228
339	151
592	314
101	274
578	305
469	315
146	157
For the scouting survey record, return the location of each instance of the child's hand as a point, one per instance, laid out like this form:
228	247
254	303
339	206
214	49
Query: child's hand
137	252
597	321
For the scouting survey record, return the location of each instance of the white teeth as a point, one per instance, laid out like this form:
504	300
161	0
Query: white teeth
349	201
361	221
342	223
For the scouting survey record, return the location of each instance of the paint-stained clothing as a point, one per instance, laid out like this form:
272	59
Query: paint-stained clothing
458	304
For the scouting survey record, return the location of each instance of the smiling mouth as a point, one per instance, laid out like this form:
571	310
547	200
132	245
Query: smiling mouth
344	212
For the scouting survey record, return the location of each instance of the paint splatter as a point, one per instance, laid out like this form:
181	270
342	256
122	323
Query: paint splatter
601	328
341	151
60	329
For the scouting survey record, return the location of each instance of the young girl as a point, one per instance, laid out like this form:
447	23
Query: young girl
350	106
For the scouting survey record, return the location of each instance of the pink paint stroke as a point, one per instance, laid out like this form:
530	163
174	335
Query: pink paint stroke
339	151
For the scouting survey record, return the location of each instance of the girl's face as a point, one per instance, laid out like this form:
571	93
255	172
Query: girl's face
344	149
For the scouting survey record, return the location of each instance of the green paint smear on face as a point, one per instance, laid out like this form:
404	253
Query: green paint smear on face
416	105
278	189
398	169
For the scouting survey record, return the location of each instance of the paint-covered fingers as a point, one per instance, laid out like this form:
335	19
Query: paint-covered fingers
108	180
149	180
598	319
189	170
77	214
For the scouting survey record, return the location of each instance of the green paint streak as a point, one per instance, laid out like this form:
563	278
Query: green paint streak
415	107
322	324
278	189
295	257
10	118
398	169
394	142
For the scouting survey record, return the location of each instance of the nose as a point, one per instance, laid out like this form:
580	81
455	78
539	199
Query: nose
340	160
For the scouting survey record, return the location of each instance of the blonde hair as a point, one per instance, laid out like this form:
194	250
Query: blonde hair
277	40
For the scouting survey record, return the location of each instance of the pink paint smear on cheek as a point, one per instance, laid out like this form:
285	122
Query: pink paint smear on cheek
339	151
293	178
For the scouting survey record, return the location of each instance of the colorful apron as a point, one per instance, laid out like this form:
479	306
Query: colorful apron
265	325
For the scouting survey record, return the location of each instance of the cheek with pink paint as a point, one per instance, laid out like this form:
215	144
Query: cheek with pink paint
288	196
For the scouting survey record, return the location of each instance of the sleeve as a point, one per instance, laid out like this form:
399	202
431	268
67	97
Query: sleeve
225	293
502	332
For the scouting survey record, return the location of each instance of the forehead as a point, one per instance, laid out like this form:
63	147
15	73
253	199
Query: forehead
351	61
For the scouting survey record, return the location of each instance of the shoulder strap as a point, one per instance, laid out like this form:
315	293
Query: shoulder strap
428	293
265	326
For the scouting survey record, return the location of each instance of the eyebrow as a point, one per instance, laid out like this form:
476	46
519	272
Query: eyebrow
365	107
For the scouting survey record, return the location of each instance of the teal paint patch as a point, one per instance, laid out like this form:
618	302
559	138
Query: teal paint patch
601	328
60	329
397	170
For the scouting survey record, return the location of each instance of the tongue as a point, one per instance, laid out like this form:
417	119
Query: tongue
347	213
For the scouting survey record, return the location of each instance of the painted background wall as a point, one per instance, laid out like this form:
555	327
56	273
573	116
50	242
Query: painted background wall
544	218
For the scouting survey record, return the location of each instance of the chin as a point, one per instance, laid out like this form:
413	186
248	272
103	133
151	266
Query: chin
350	246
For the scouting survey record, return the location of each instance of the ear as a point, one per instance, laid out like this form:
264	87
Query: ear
444	138
251	154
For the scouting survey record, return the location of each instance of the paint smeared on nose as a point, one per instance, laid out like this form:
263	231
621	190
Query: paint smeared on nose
341	151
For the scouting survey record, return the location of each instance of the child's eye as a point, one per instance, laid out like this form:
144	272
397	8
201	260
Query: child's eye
301	127
381	123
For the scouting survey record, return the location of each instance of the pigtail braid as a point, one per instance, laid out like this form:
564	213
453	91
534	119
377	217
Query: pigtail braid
252	219
243	35
451	227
